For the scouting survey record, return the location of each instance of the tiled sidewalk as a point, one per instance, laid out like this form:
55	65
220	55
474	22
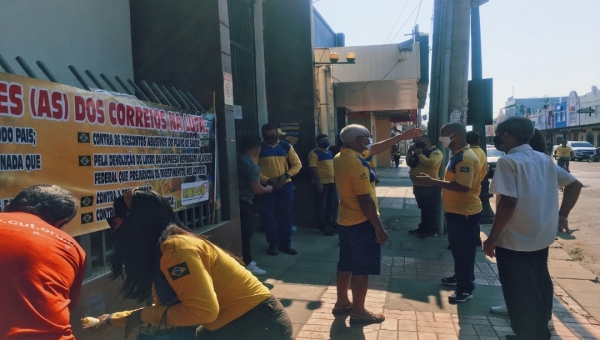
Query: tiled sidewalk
569	318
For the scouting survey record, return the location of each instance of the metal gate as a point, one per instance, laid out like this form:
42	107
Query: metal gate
243	64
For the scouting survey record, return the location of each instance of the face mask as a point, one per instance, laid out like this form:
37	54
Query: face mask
420	145
498	143
446	140
324	145
368	146
270	139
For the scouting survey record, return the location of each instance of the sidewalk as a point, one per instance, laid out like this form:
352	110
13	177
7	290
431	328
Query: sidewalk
408	291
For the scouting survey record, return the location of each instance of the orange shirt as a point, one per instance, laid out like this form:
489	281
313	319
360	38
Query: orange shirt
42	272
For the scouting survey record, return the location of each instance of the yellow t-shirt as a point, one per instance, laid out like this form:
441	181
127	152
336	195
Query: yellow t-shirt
275	161
464	168
482	161
429	165
563	152
212	287
323	161
353	178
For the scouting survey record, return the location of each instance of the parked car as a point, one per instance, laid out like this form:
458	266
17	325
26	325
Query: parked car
581	150
492	158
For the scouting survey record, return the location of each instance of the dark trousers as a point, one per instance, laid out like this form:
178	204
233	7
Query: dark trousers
267	321
276	216
462	232
246	219
324	205
527	290
396	160
428	200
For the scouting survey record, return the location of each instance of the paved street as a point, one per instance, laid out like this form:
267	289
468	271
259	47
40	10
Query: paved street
584	242
409	292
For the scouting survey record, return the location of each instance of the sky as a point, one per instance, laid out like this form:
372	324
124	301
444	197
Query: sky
532	48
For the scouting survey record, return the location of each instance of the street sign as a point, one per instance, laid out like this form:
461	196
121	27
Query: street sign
586	110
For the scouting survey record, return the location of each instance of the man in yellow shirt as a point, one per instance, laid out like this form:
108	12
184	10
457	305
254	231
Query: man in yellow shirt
320	162
460	194
428	197
278	162
473	141
564	154
361	232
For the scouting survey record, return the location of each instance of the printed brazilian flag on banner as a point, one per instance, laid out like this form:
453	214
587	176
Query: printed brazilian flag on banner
100	144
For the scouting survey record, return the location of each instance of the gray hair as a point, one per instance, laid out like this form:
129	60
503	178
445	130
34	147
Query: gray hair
519	127
351	132
49	202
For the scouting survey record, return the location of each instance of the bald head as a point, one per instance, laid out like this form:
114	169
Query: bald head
457	134
456	128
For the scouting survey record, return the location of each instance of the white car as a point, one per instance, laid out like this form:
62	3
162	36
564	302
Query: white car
581	150
492	158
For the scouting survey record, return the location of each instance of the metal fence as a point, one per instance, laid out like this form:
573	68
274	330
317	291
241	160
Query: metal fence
99	245
243	63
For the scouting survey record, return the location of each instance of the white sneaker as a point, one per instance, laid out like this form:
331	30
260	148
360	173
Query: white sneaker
253	268
499	309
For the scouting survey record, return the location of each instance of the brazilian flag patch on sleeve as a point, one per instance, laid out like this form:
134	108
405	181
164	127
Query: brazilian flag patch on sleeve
178	271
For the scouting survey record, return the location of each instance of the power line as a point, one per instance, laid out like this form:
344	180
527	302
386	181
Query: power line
397	20
400	29
369	82
419	11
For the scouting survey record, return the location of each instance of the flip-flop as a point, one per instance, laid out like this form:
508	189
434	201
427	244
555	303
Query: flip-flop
342	310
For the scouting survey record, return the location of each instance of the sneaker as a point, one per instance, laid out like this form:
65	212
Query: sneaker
253	268
417	231
449	281
366	319
499	310
288	250
428	235
328	231
272	251
460	297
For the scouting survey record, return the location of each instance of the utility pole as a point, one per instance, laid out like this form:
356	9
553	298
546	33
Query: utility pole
450	62
478	119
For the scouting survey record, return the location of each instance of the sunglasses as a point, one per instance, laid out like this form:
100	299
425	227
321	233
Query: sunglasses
115	222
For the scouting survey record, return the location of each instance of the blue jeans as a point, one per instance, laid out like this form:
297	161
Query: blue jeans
428	199
527	290
462	236
276	216
324	206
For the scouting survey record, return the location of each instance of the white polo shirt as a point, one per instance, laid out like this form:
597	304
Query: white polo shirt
533	179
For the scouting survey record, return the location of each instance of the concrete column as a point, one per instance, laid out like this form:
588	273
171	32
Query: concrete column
323	100
459	59
259	54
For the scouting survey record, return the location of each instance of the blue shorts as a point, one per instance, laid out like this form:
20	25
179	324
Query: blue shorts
359	252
